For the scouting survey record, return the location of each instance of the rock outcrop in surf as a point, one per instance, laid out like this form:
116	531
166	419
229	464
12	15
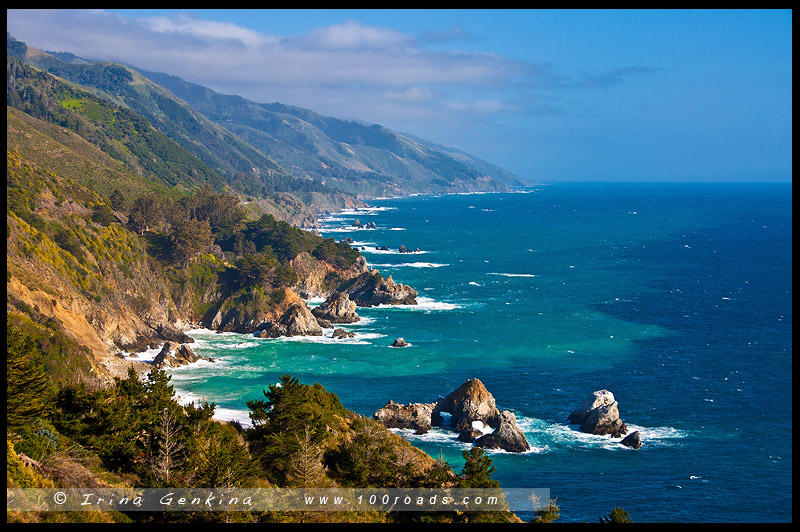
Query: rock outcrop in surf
599	414
471	407
338	308
370	289
173	355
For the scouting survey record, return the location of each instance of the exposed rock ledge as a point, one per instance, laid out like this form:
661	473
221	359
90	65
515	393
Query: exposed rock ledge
469	405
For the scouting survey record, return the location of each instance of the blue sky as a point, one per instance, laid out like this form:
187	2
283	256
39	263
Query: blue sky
551	95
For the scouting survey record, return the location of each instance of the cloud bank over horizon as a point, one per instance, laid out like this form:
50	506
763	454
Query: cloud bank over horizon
419	82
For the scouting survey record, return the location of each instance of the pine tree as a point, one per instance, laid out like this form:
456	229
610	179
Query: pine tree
306	469
617	515
477	469
26	380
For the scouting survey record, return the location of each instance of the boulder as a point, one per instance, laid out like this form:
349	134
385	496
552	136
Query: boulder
469	435
341	333
399	342
271	329
416	416
599	414
632	440
338	308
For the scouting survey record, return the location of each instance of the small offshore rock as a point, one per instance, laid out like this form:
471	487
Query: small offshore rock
341	333
632	440
173	355
399	342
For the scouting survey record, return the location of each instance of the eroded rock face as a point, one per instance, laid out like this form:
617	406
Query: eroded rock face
470	402
341	334
297	320
338	308
416	416
471	406
599	414
317	278
507	436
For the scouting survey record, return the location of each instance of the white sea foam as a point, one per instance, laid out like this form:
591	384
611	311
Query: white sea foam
147	355
423	303
513	274
222	414
411	265
375	250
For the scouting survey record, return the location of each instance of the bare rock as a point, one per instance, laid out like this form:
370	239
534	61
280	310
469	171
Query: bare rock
399	342
508	436
370	289
416	416
632	440
173	355
338	308
341	333
470	402
599	414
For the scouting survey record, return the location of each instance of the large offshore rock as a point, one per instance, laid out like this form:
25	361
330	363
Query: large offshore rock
470	402
173	355
338	308
599	414
632	440
370	289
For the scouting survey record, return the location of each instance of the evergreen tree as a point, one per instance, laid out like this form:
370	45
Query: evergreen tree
552	513
277	422
26	380
477	469
617	515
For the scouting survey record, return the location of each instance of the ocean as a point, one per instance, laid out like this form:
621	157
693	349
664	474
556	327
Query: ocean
675	297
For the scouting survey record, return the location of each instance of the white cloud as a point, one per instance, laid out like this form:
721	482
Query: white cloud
206	29
352	35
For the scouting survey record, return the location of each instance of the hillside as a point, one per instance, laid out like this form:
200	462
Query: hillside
364	160
131	218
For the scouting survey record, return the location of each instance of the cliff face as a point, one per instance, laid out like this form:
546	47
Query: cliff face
105	288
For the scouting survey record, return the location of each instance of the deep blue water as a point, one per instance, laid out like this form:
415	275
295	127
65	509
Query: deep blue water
675	297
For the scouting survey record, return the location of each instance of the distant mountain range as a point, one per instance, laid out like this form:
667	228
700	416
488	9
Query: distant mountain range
286	160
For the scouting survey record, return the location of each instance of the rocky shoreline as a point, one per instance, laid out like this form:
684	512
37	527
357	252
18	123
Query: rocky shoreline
474	416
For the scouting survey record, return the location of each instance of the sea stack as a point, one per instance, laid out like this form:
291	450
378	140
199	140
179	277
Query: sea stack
599	414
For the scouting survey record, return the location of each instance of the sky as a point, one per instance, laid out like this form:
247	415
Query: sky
550	95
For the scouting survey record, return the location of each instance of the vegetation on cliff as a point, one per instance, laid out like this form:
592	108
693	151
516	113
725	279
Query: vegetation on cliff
135	433
131	215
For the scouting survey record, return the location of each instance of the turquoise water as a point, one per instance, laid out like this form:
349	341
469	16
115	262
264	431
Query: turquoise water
676	297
